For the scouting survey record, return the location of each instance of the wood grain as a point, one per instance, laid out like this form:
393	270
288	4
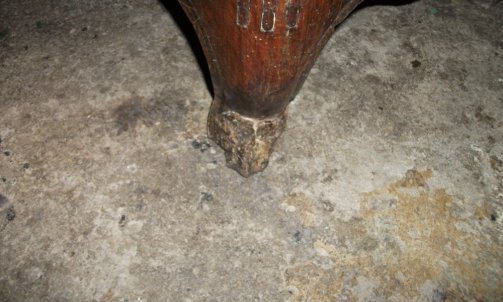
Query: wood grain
260	51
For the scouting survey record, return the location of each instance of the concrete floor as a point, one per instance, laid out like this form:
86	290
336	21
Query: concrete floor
386	186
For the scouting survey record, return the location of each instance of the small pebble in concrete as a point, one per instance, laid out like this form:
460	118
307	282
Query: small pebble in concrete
132	168
122	221
202	146
11	214
195	144
327	206
493	217
4	202
207	197
297	236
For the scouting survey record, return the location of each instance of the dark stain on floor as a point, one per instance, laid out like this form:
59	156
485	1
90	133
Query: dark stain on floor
136	110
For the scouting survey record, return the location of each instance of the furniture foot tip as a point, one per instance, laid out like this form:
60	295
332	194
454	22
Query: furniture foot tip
247	142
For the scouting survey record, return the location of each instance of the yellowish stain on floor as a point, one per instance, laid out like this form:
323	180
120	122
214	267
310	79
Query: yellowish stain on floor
304	207
313	282
428	241
437	243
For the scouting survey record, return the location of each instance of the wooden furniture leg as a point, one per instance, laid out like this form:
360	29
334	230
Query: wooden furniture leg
259	53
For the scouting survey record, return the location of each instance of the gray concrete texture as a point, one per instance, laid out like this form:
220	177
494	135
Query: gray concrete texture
386	185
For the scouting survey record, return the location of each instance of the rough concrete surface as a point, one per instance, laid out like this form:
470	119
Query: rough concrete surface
386	185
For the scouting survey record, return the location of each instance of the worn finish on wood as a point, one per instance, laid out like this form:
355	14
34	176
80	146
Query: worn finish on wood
259	54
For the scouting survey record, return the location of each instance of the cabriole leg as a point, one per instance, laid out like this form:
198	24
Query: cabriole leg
259	53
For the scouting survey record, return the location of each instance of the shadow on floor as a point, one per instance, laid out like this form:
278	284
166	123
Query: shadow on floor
368	3
183	23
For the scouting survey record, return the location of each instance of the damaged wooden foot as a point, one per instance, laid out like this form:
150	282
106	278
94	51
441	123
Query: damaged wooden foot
247	141
259	53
